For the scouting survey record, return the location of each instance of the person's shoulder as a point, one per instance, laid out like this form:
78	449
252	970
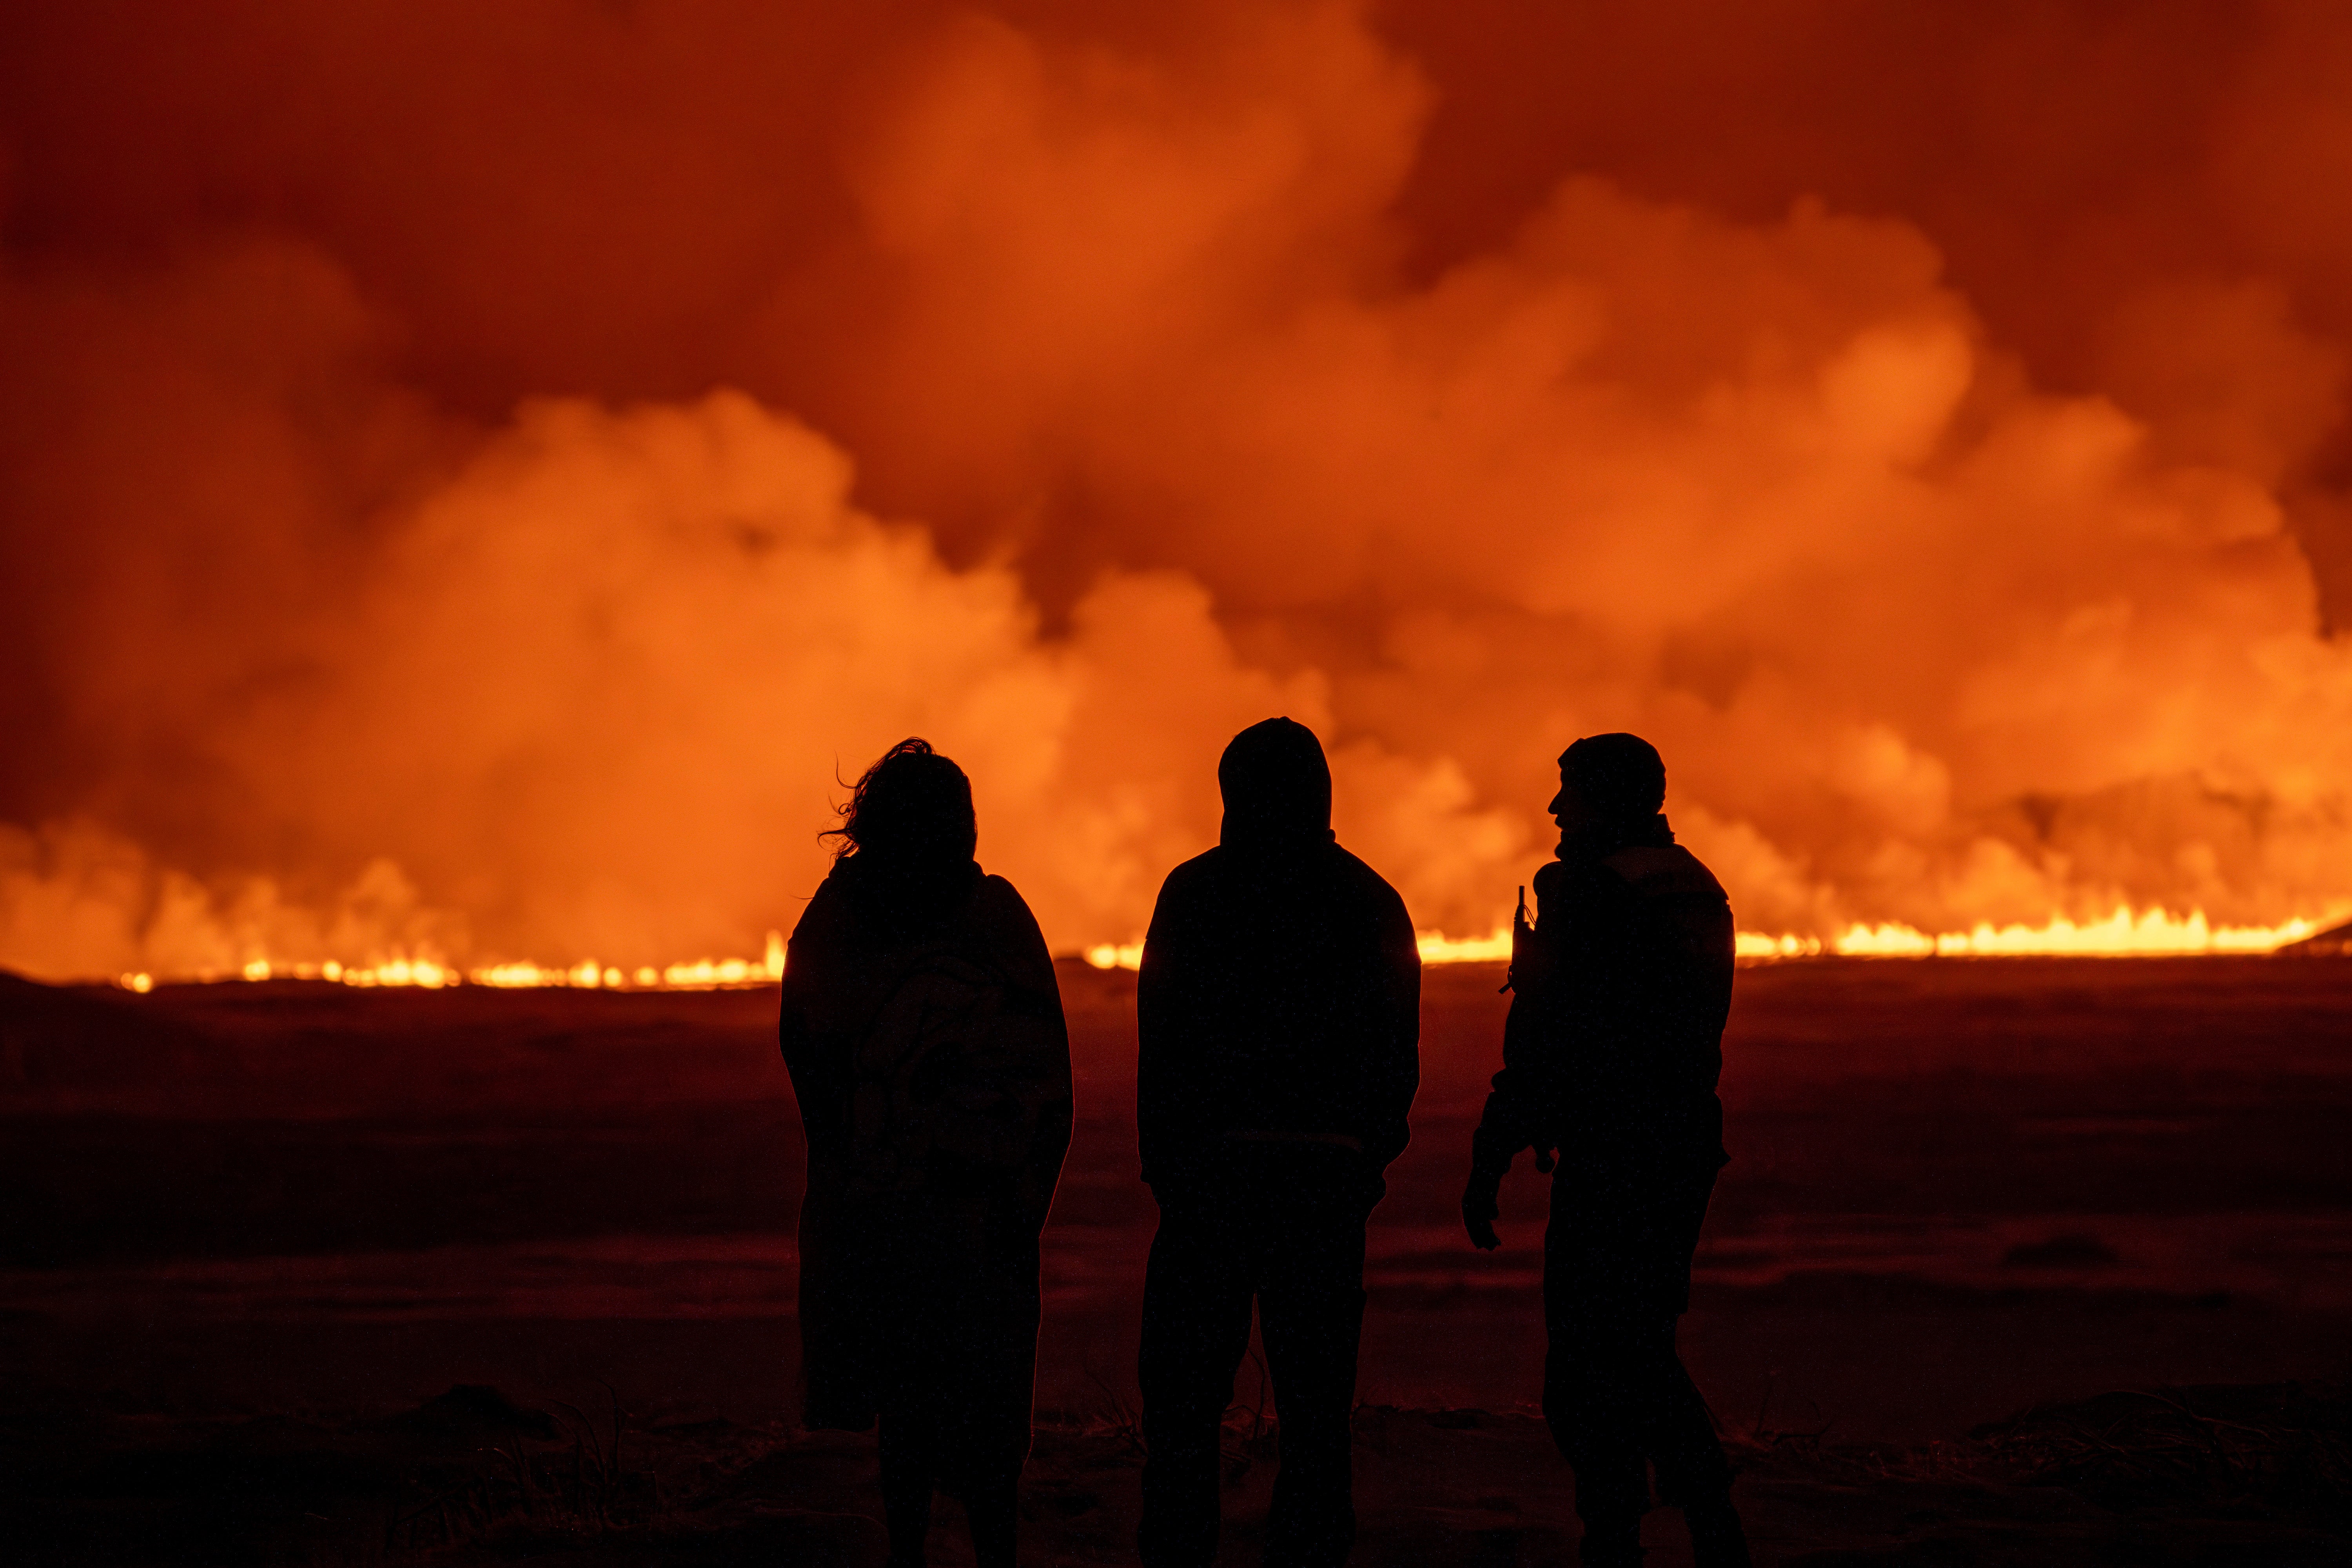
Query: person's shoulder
1203	871
825	912
1580	884
1369	897
1352	871
1008	931
1556	878
1665	870
1196	900
825	943
999	890
996	902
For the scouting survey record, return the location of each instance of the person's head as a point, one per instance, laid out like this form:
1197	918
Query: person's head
1616	780
913	807
1276	785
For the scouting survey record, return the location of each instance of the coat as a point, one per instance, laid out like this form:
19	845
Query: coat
1611	1055
1279	997
923	1026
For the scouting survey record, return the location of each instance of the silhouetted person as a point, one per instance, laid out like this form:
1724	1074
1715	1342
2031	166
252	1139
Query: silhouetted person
923	1027
1279	1011
1610	1055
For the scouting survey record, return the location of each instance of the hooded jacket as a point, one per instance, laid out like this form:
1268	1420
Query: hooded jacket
1280	993
1614	1040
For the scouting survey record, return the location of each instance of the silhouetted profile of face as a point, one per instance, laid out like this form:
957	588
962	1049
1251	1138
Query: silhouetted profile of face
1606	779
912	807
1276	785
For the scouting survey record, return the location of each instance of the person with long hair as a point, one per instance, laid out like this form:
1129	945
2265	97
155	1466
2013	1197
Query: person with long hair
923	1026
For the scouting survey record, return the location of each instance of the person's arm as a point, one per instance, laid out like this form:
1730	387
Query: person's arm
1034	992
791	1028
1167	1116
1518	1106
814	1071
1156	1010
1522	1108
1395	1065
1509	1124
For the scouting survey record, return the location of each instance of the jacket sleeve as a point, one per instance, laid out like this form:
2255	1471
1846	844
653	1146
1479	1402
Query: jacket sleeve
1515	1109
811	1055
1523	1104
1395	1065
1041	1077
1169	1116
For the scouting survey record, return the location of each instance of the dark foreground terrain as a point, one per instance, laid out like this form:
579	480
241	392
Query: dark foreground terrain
297	1274
2230	1475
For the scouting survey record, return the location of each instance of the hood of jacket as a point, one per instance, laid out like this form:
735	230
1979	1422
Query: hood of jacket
1278	788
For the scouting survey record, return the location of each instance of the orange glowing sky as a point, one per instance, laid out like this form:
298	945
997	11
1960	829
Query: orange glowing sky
470	475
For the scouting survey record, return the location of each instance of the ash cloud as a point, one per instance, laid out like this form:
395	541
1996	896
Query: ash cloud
473	479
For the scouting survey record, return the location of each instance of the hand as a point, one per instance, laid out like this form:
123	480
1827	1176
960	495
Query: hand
1480	1204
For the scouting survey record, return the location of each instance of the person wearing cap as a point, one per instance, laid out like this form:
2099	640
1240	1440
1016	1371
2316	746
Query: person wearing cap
1611	1053
1278	1021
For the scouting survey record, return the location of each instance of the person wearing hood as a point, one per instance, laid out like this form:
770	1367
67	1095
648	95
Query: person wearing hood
923	1029
1278	1021
1611	1053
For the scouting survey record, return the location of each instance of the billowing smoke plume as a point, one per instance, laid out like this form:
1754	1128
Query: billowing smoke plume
477	478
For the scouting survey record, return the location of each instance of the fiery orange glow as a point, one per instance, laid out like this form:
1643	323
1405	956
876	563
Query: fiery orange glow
2151	933
2154	933
443	519
1115	956
431	972
1435	948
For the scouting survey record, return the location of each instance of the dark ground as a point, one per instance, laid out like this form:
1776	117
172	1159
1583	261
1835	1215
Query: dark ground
247	1227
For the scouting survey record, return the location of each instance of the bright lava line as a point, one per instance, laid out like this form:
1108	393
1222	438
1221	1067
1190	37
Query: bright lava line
430	972
2153	934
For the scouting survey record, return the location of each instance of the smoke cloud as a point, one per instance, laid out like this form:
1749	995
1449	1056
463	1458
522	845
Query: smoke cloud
478	480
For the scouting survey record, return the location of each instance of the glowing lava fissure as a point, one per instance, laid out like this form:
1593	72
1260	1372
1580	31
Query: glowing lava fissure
430	972
2153	934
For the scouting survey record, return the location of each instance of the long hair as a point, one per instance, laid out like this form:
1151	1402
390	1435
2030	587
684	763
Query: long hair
912	806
